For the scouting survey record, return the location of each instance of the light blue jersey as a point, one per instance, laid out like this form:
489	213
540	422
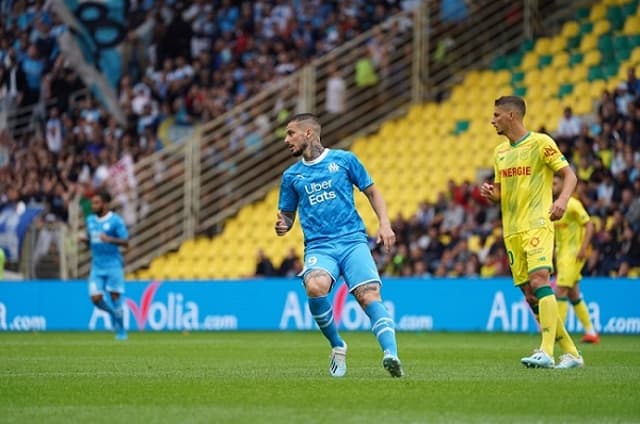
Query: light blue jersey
106	256
334	234
335	239
322	193
107	267
107	264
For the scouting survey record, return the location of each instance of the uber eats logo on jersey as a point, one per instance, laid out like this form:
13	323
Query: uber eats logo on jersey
319	192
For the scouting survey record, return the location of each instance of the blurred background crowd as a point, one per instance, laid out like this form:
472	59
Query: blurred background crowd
190	62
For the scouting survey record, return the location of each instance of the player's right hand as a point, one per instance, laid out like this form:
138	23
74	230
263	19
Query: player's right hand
281	225
387	237
486	191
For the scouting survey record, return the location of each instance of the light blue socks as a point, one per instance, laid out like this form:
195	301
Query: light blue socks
322	312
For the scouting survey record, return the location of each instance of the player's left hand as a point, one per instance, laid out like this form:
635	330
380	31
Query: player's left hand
557	209
387	237
105	238
283	224
582	254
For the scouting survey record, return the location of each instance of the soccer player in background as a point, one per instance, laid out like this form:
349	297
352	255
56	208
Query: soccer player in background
106	233
320	187
573	236
524	167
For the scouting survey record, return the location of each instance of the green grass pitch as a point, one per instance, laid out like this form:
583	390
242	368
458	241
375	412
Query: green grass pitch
283	378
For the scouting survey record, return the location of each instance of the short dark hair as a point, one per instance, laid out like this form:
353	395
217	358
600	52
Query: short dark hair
304	117
105	196
309	118
515	102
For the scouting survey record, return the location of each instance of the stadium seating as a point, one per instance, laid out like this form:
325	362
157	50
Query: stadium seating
412	158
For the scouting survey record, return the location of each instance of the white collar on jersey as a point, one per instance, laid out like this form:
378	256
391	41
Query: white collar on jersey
105	217
324	153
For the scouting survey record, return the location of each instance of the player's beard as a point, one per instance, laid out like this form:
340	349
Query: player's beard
297	151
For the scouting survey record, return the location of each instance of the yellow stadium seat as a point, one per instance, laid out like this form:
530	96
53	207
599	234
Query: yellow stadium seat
534	93
501	78
597	87
141	274
583	89
598	11
622	72
601	27
583	107
486	78
631	25
560	60
529	61
543	46
472	78
563	75
578	73
570	29
557	45
594	57
553	109
415	111
532	78
550	90
589	42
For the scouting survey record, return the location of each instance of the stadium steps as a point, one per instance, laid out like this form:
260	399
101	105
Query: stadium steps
411	159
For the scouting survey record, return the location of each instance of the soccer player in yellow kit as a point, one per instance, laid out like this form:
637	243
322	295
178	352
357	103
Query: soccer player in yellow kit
524	167
573	236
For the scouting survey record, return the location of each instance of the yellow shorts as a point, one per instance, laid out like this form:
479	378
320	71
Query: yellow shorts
569	271
529	251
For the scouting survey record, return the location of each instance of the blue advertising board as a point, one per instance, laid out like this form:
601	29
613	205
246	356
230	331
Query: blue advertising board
280	304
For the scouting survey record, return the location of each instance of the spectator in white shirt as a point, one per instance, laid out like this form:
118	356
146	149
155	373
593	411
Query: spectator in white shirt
569	126
54	132
336	91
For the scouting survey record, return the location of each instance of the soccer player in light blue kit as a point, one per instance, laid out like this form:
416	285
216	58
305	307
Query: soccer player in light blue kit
320	187
106	233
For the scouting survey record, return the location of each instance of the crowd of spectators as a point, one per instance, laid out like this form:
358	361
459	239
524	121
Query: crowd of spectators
460	234
191	61
182	62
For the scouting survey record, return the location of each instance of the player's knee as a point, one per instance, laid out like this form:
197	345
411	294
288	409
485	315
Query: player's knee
367	293
562	291
529	295
574	293
317	283
539	278
115	296
96	298
531	300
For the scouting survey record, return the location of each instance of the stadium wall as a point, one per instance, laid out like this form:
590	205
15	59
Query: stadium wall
280	304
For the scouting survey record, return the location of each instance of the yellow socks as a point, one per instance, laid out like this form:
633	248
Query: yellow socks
564	339
563	308
548	309
557	333
583	315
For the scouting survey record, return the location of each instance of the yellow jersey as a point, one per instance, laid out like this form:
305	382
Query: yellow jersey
570	229
525	171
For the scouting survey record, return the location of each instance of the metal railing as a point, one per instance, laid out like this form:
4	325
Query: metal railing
28	119
193	186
